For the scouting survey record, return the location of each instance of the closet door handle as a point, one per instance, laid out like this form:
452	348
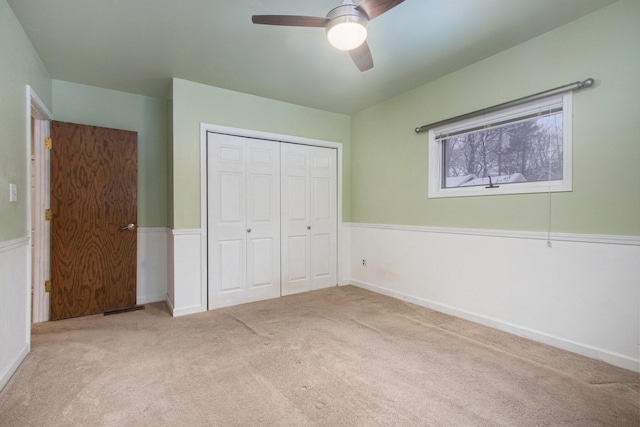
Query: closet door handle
308	227
248	230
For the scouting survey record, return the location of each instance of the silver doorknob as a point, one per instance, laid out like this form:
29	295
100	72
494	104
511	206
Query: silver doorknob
129	227
248	230
308	227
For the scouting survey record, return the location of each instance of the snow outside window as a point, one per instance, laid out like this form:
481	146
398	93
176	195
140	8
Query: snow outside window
523	149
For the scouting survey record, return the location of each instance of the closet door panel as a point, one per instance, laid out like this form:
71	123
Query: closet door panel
261	255
296	218
231	272
324	225
297	212
309	218
322	199
230	198
321	256
263	220
298	266
243	191
226	192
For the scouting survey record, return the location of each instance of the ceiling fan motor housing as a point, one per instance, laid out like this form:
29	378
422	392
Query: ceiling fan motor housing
346	14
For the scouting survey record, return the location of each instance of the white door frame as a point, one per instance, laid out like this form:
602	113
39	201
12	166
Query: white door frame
206	128
40	256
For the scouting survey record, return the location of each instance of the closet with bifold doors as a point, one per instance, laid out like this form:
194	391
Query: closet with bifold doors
271	218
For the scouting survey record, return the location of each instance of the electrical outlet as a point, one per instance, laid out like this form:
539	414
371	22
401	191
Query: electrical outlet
13	193
364	262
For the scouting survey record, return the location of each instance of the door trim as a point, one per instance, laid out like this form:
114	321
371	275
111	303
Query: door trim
39	265
248	133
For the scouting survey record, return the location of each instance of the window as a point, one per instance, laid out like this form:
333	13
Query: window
522	149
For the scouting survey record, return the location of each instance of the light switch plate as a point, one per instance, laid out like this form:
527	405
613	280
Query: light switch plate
13	193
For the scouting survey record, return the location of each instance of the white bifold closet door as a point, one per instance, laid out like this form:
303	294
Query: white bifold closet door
309	217
243	190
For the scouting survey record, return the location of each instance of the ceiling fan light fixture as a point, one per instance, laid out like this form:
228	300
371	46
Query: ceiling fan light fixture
347	27
346	35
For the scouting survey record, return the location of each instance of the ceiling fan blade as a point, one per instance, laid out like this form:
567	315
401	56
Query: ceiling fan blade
362	57
290	20
375	8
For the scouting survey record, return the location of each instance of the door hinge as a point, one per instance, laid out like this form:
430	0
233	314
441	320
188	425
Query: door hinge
47	214
47	285
48	143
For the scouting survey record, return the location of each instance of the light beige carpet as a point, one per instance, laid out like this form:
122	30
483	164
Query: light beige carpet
337	357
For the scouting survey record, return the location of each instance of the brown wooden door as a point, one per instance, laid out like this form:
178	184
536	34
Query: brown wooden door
93	196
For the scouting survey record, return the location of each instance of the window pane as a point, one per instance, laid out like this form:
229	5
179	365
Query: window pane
528	151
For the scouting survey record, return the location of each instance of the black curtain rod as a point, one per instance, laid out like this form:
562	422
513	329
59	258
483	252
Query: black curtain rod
562	89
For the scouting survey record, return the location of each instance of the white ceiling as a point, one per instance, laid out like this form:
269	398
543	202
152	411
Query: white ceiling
138	45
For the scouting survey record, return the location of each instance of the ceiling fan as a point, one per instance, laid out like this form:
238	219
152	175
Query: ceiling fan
346	26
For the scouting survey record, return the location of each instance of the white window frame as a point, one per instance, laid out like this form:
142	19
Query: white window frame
436	153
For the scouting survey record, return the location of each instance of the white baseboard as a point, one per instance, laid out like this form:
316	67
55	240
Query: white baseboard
591	352
183	311
8	372
170	306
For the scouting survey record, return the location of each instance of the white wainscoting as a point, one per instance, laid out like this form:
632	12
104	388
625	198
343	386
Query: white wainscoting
582	294
15	310
345	264
152	264
186	286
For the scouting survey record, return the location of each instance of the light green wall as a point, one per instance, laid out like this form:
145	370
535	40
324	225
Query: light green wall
19	66
389	161
194	103
94	106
